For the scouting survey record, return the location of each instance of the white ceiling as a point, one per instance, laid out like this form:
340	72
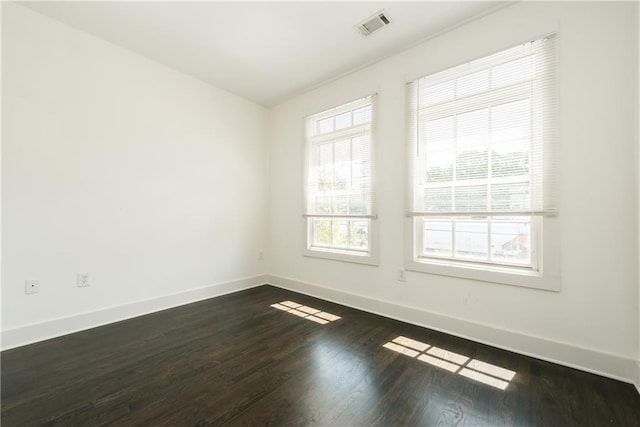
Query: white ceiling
263	51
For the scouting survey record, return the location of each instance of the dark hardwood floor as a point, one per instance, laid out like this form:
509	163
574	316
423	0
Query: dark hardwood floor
236	360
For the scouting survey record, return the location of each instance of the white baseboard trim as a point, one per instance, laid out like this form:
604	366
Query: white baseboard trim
637	381
585	359
29	334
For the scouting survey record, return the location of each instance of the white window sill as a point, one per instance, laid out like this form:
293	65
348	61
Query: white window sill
487	273
342	255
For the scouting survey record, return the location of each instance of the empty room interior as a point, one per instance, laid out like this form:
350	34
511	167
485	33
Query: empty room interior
320	213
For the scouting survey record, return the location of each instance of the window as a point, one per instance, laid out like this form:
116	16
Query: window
483	172
340	217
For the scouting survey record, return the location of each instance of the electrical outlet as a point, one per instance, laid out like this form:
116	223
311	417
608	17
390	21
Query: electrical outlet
260	255
31	286
400	275
83	280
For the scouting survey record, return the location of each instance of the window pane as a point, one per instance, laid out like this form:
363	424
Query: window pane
510	197
472	144
321	232
472	239
471	198
511	121
361	186
359	234
440	166
472	83
512	72
343	120
361	148
362	115
323	205
359	170
439	140
340	229
357	205
325	154
438	199
342	175
510	241
439	134
473	129
360	164
472	164
325	167
324	126
342	151
509	161
438	93
340	205
437	238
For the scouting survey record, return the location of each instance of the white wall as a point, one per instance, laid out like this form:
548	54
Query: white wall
592	322
150	181
637	379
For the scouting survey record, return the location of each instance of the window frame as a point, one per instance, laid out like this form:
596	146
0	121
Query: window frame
367	257
544	271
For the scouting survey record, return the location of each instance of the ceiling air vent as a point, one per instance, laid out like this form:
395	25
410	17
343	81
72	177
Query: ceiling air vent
373	23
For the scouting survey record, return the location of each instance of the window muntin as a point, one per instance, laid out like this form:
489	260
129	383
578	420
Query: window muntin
339	193
483	166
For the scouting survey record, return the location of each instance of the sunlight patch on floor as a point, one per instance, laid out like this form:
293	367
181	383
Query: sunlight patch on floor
305	312
474	369
401	349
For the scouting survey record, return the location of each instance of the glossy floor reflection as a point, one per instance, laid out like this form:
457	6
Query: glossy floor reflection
248	359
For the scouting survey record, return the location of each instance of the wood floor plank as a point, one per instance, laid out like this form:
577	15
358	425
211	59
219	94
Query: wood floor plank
235	360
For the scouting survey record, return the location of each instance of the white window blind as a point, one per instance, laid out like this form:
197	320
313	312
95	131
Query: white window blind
339	191
482	136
